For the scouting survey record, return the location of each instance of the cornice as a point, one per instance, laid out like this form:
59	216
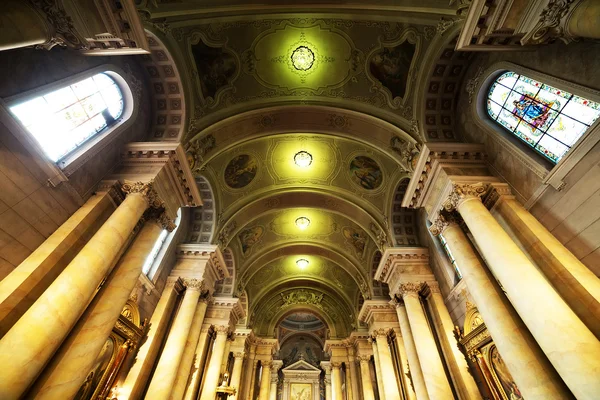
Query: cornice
374	306
400	255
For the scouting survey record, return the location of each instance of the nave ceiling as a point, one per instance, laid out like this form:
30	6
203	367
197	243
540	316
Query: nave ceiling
360	110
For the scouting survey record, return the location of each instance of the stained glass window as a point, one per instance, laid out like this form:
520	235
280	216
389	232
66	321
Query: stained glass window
450	256
64	119
548	119
155	250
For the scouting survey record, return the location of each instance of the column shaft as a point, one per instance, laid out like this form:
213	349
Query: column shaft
530	369
328	391
249	373
236	374
418	381
265	381
273	389
20	288
211	380
404	370
252	386
199	364
390	384
575	282
429	358
21	26
187	359
63	377
38	333
367	385
354	378
571	347
137	378
465	384
336	378
585	20
168	364
378	372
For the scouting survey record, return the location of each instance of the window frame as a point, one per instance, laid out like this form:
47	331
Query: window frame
550	173
60	171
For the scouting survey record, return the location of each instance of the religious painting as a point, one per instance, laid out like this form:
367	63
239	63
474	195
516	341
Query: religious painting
240	171
506	380
94	377
356	238
391	66
216	68
249	237
366	172
301	391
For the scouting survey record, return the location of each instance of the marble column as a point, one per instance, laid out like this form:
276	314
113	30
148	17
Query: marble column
200	362
429	358
418	381
336	379
249	374
30	343
22	26
168	364
465	384
187	359
404	370
226	355
378	373
326	365
575	282
236	374
20	288
388	374
367	385
137	378
570	346
265	380
530	369
352	394
273	389
69	367
211	380
252	386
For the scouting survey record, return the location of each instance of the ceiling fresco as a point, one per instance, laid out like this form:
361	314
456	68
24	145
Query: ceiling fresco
303	123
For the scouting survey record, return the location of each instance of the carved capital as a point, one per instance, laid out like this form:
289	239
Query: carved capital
434	287
380	333
363	359
410	288
267	364
552	23
336	365
462	192
64	32
239	354
193	284
443	221
146	189
221	329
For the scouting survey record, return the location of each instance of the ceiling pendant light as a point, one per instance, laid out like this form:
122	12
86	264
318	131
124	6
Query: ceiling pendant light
303	159
302	263
302	223
303	58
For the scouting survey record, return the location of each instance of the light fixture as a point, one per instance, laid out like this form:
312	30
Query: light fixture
303	159
303	58
302	223
302	263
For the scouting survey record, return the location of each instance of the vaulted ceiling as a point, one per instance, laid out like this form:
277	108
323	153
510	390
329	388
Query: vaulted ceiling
360	103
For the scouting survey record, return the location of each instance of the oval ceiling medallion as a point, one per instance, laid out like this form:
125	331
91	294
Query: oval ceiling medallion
240	171
365	172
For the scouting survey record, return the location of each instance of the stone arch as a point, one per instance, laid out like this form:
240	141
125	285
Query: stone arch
331	326
168	99
403	223
203	218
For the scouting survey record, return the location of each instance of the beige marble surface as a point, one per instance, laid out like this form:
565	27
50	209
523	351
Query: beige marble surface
63	377
38	333
570	346
211	379
390	384
365	376
533	374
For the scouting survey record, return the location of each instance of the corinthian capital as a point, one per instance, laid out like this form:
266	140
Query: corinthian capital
464	191
193	284
410	288
336	364
364	359
146	189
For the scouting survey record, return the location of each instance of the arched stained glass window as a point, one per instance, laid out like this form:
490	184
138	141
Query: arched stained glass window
548	119
64	119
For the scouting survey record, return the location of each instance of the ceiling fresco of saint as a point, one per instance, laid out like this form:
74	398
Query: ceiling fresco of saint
302	121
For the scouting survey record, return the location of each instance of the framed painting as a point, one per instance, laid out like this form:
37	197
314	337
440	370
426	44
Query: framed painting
301	391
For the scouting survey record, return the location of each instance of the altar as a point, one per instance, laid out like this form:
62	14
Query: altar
301	381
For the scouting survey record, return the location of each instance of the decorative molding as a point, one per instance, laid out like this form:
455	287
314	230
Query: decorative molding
193	284
64	32
552	24
411	288
462	192
472	85
146	189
